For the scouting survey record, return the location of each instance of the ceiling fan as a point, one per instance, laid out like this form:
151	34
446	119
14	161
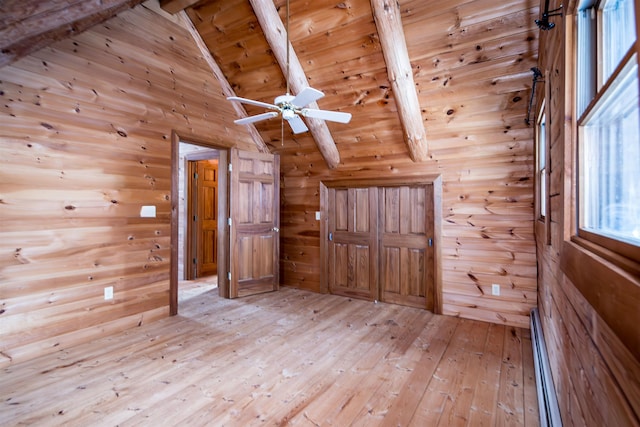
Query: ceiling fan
290	107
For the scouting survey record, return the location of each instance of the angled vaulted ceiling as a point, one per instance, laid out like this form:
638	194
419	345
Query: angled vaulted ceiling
236	38
469	62
469	69
276	36
29	25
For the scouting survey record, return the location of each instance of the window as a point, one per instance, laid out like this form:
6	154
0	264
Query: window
541	137
609	127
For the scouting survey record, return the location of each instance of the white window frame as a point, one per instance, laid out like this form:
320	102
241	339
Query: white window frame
542	162
597	89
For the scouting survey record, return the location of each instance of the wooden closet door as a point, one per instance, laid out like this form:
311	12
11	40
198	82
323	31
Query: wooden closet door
352	246
406	245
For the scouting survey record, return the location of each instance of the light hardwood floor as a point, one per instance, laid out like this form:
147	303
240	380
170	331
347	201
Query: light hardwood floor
285	358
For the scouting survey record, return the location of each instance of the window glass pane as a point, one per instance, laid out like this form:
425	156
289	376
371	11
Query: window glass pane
542	162
542	142
610	168
618	33
586	67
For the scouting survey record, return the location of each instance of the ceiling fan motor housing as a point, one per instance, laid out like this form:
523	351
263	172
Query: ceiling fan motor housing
284	99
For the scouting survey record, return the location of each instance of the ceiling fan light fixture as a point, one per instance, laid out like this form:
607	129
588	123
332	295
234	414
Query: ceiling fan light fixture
288	113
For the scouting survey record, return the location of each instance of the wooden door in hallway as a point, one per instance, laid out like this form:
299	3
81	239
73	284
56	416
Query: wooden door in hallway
204	217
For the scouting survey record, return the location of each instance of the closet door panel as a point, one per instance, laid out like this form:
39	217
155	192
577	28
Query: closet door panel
353	250
406	238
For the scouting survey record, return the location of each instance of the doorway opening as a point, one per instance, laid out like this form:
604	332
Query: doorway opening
199	208
198	265
244	225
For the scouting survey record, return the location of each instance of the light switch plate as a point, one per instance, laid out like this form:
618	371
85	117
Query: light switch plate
148	212
317	215
495	289
108	293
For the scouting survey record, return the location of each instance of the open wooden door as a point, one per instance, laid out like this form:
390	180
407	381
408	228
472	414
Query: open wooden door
255	223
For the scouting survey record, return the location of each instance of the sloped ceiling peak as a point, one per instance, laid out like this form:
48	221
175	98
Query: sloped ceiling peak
470	63
29	25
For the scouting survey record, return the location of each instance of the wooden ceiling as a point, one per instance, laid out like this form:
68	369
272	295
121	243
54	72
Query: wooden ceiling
468	59
469	64
29	25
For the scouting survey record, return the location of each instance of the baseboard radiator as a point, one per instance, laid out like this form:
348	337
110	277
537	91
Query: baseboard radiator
547	401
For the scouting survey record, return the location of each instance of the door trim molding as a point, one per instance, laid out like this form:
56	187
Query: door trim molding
189	253
223	235
381	181
434	180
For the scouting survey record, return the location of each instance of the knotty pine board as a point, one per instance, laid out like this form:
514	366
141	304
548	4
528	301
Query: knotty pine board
85	142
594	373
248	361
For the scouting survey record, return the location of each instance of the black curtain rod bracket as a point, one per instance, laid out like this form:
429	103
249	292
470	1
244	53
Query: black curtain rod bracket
537	77
544	23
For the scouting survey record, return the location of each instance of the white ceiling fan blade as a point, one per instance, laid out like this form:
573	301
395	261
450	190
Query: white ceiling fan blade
307	96
297	125
257	118
334	116
252	102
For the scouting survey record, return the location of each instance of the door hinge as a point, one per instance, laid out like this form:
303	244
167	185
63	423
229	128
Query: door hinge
195	217
195	260
229	275
331	237
229	221
430	241
195	175
230	167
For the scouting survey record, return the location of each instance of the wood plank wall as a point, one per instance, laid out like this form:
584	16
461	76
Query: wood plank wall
472	64
597	378
85	142
85	135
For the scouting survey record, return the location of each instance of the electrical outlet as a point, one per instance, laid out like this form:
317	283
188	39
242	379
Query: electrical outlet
108	293
495	289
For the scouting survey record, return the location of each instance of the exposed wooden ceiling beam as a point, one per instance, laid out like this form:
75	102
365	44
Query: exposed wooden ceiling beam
217	72
30	25
394	49
276	36
175	6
